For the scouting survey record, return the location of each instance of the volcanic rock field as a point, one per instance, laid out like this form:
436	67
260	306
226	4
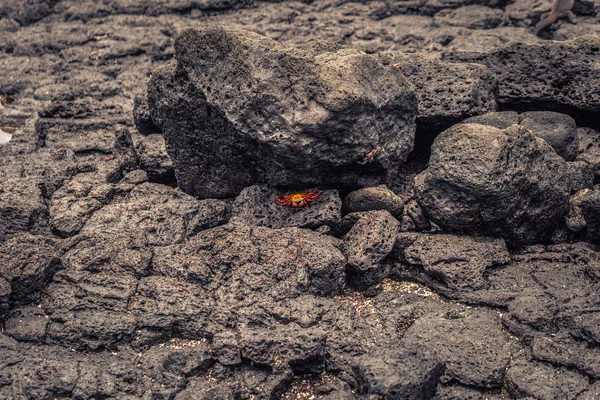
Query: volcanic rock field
329	199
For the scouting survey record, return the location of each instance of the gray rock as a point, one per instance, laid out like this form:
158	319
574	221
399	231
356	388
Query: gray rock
448	92
482	180
563	350
154	159
225	348
558	130
580	175
374	198
589	148
525	378
135	177
164	215
370	240
470	342
4	297
257	205
458	261
413	218
590	209
553	74
398	375
28	263
75	202
27	11
592	393
238	109
27	324
500	119
142	117
470	16
575	221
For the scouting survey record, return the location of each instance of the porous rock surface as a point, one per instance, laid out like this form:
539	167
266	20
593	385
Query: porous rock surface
116	284
238	109
487	181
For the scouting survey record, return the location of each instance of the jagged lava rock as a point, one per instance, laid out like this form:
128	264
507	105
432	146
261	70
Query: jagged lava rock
448	92
458	261
370	240
162	214
28	262
487	181
553	74
589	148
257	205
238	109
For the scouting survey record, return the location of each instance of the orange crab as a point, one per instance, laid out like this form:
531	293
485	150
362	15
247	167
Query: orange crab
298	199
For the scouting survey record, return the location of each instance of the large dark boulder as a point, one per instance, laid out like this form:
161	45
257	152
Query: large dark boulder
238	109
487	181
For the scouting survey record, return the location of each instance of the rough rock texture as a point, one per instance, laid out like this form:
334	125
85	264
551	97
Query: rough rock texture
448	92
558	130
162	214
152	153
482	180
367	244
238	109
553	75
257	205
459	262
374	198
115	288
589	148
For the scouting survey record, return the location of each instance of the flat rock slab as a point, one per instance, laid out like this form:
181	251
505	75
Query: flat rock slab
459	261
257	205
163	214
238	109
555	74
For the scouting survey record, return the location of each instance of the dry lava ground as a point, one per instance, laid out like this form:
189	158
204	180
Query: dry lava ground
451	254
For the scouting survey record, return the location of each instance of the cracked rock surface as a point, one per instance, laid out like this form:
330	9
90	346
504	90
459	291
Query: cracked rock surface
451	254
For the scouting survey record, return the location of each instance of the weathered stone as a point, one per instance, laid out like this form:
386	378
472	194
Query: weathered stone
526	78
589	148
164	215
482	180
590	209
28	262
75	202
448	92
558	130
27	324
238	109
374	198
500	119
154	159
470	16
370	240
458	261
257	205
525	378
398	375
563	350
470	342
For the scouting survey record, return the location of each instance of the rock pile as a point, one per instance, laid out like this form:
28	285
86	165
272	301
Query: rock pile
465	269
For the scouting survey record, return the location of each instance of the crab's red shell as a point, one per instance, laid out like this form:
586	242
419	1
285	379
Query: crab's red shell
298	199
